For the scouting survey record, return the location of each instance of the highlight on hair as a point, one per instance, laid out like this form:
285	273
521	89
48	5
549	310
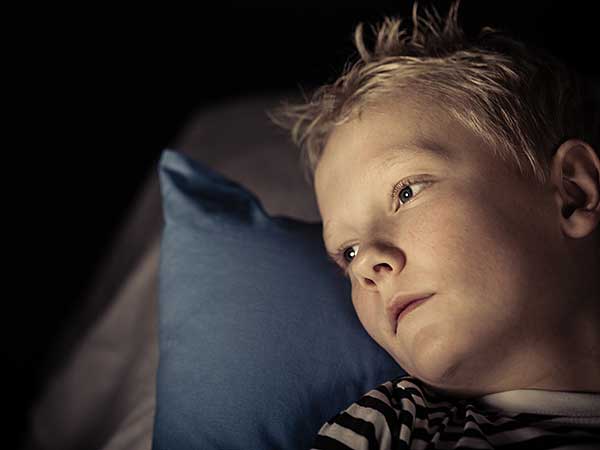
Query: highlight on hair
518	98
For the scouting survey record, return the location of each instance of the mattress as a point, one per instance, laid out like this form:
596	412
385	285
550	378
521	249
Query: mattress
103	393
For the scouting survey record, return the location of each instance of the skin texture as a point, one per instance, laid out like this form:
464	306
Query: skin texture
513	265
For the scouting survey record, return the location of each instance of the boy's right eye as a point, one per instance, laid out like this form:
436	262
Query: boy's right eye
346	253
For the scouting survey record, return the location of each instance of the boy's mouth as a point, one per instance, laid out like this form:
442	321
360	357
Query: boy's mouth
400	305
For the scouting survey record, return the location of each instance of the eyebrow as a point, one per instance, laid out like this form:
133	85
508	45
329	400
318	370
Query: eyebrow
420	146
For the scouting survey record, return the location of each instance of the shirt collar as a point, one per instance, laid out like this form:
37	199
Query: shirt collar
538	401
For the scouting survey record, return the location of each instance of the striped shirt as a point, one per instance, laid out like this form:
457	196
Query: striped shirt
404	414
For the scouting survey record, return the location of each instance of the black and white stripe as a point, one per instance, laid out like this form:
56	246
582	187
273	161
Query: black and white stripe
402	414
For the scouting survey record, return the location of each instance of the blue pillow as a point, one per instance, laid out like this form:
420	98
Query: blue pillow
259	342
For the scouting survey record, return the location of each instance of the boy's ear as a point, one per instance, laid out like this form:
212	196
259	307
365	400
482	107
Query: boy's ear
576	176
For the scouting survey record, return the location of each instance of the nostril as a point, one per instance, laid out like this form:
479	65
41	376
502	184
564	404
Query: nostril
383	267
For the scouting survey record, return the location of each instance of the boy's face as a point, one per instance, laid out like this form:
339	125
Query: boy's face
487	244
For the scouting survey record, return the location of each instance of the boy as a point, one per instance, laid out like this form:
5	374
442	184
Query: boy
464	174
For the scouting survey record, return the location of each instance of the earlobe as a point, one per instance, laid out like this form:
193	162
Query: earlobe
576	176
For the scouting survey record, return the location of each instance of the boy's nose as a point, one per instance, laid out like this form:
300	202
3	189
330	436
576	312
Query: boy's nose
374	264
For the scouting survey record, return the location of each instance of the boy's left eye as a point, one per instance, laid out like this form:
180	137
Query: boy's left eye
402	189
405	190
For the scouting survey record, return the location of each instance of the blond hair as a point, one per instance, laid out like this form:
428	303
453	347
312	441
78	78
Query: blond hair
520	99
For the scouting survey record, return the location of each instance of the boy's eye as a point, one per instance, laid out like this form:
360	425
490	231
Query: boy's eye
349	251
404	189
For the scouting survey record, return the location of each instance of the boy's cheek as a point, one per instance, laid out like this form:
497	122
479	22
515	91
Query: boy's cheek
369	314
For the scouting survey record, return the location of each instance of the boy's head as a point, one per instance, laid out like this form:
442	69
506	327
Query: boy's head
497	213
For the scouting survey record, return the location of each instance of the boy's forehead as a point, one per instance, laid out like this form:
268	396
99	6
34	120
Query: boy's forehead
398	132
403	138
407	126
395	153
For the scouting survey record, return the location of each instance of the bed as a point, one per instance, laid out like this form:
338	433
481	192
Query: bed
119	348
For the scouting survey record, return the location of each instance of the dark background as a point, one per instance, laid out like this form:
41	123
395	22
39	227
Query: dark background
96	94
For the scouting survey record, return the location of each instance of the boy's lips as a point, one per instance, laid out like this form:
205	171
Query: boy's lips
398	303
